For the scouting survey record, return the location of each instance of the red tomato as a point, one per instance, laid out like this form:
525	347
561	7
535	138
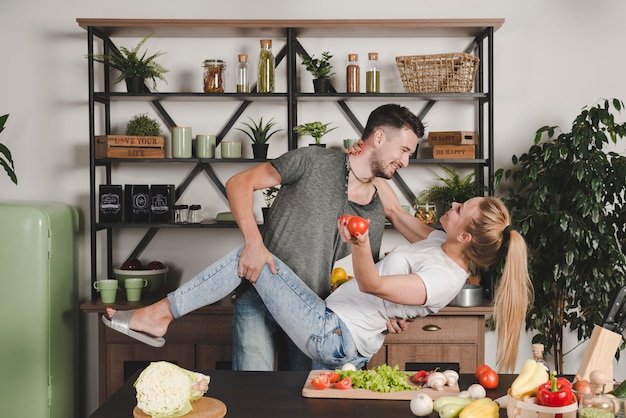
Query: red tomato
347	217
321	382
345	383
333	377
480	369
489	379
357	225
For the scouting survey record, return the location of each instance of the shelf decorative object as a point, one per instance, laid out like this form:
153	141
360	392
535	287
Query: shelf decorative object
134	69
7	160
321	69
143	139
455	188
259	133
314	129
438	73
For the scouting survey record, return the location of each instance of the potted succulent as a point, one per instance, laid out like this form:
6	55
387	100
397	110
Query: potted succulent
321	69
5	155
269	195
314	129
455	188
134	68
259	133
567	197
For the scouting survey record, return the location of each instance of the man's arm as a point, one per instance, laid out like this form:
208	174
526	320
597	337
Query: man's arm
240	191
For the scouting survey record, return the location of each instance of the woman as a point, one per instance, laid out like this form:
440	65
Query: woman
413	280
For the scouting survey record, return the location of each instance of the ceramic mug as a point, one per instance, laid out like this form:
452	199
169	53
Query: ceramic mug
133	288
181	142
205	146
107	289
230	149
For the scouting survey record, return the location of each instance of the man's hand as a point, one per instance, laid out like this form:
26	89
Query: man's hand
253	258
397	325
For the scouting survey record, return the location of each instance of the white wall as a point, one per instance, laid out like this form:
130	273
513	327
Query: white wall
552	58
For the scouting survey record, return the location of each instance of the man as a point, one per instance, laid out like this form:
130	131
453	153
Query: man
317	186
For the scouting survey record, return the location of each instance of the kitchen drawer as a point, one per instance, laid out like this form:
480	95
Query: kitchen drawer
464	354
438	329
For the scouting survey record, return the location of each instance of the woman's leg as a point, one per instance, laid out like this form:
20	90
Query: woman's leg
303	315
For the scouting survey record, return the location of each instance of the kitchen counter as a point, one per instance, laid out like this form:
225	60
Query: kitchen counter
279	394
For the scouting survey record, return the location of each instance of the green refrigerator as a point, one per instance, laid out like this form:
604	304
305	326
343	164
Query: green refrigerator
38	310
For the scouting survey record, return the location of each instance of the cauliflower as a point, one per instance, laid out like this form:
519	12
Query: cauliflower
167	390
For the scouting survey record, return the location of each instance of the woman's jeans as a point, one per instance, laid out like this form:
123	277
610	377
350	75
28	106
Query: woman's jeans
303	315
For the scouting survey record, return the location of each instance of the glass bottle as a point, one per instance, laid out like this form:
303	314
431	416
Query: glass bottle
538	356
372	75
243	84
596	404
265	79
353	73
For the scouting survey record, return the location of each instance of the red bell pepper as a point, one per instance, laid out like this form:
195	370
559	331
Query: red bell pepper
555	392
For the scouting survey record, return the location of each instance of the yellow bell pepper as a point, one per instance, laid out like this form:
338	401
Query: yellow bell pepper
481	408
531	376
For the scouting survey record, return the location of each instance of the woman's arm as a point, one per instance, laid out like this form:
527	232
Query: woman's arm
407	289
411	228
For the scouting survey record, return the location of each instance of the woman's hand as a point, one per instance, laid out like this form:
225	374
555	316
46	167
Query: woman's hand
356	148
360	232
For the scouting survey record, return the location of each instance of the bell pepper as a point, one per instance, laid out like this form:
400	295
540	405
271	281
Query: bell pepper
555	392
531	376
481	408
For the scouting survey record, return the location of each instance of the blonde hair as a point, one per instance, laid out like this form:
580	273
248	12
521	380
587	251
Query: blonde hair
514	292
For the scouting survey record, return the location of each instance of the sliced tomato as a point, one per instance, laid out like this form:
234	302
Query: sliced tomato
345	383
333	377
321	382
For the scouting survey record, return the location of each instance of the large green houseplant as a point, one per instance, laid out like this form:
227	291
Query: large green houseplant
567	199
132	66
6	160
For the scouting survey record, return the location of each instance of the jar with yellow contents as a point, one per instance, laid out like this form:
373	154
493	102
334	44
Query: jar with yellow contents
426	212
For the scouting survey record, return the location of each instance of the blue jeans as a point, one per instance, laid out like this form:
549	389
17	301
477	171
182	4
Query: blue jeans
303	315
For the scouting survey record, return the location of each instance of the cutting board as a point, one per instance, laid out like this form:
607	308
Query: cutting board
308	391
202	408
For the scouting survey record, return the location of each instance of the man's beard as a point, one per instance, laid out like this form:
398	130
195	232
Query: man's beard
378	168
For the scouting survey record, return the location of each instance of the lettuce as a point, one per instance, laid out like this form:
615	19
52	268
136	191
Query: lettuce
167	390
383	378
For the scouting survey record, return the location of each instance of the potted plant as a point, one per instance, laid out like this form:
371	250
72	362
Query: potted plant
134	68
567	197
455	188
314	129
143	125
269	195
5	155
321	69
259	133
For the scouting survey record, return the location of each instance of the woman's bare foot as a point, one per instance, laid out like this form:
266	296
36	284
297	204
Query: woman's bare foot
153	319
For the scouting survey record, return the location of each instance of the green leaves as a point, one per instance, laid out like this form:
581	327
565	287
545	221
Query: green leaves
319	67
6	159
259	133
454	189
567	198
315	129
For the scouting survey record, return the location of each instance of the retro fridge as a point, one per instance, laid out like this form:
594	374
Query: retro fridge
38	310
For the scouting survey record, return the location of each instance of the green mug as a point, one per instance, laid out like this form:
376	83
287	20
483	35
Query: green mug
107	289
133	288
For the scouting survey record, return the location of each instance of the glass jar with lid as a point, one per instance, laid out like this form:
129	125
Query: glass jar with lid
426	212
214	75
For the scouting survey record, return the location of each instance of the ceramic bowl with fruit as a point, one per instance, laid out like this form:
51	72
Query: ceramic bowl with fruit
154	272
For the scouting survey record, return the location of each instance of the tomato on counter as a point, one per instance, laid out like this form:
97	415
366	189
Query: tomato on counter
487	377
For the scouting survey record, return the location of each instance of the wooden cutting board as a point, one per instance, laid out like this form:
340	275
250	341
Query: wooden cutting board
308	391
202	408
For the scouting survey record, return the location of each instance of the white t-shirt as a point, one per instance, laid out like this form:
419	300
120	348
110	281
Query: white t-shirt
366	315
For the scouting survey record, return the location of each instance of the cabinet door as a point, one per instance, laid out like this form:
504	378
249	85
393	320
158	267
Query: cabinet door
124	359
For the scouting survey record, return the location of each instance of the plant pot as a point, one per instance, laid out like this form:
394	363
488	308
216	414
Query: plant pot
321	85
317	145
134	84
259	151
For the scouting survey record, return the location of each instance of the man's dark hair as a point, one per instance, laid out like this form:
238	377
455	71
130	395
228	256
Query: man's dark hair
395	116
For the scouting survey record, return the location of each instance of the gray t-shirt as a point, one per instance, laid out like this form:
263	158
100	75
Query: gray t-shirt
301	228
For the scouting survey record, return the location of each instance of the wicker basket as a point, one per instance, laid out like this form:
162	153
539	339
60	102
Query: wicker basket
440	73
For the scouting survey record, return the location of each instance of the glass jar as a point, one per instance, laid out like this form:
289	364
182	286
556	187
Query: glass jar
538	356
181	214
265	79
243	83
195	214
353	73
372	75
214	76
597	404
426	212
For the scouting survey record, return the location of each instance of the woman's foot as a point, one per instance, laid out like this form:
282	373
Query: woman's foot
153	319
